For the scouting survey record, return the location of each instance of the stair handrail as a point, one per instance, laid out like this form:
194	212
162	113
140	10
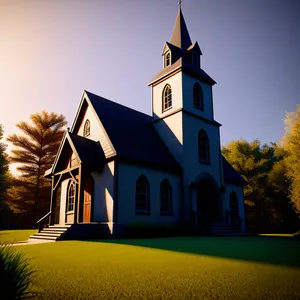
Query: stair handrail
40	221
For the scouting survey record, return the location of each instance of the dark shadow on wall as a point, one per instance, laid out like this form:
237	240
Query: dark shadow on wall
272	250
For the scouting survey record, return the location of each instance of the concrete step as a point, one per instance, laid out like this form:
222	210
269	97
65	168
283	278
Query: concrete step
42	237
54	231
59	226
49	234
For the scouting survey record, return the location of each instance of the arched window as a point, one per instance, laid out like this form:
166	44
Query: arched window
71	196
167	98
168	59
165	198
142	203
198	96
203	147
87	128
234	208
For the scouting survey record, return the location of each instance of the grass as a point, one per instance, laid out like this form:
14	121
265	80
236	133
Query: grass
13	236
169	268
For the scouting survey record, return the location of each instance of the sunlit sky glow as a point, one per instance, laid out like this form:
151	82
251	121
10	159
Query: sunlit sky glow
50	51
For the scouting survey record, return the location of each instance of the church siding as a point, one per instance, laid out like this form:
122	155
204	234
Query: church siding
97	132
188	104
104	193
157	95
128	175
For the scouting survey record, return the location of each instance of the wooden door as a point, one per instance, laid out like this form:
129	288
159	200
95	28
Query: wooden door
87	200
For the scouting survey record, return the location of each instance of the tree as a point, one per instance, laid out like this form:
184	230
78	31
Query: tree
267	203
35	152
3	165
291	143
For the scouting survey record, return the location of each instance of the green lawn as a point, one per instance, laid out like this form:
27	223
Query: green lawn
169	268
11	236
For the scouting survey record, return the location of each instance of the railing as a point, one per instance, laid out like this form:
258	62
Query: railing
41	221
233	218
202	222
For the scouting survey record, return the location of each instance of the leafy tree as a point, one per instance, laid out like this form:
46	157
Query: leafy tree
291	143
267	203
3	165
35	152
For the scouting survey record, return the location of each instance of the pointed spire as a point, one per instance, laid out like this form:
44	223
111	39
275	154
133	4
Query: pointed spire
180	36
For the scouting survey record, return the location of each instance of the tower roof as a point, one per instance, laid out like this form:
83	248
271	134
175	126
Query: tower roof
180	35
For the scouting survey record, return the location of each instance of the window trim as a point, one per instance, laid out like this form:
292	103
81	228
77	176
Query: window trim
202	134
201	102
87	128
167	59
72	184
165	99
147	196
170	198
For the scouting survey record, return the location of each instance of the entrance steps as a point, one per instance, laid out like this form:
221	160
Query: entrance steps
224	229
53	232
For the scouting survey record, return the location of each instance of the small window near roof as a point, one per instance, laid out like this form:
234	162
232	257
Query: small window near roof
167	98
196	59
198	96
168	59
87	128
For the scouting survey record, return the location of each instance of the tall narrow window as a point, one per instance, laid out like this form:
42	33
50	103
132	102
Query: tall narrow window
167	98
165	198
142	203
168	59
71	196
234	208
203	147
87	128
198	96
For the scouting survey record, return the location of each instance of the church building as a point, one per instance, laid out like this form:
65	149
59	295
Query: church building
117	166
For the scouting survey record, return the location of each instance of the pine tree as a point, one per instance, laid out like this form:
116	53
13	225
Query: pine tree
35	153
3	164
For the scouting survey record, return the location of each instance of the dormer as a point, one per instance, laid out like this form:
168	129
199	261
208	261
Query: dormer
193	54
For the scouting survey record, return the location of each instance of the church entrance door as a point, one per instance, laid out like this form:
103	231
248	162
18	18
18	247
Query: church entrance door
87	200
207	200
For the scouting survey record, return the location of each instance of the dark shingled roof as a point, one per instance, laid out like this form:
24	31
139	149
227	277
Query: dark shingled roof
231	175
89	152
132	133
180	36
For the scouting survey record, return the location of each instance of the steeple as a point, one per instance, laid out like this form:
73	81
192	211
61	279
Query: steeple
180	36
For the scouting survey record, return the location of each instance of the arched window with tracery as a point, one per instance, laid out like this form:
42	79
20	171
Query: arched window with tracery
198	96
203	147
167	97
142	195
165	198
71	196
87	128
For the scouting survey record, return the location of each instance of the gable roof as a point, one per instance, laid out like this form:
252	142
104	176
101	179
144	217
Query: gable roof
132	133
231	175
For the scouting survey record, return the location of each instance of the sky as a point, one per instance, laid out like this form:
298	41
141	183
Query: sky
50	51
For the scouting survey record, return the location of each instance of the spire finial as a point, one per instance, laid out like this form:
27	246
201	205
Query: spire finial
179	3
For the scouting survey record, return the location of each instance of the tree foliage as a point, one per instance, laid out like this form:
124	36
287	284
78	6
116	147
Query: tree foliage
3	165
291	143
35	152
267	203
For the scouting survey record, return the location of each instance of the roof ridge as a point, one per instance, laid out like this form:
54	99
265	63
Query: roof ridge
118	104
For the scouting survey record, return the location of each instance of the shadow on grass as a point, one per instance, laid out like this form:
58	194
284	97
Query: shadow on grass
264	249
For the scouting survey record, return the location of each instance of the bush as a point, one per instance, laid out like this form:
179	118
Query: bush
297	235
16	274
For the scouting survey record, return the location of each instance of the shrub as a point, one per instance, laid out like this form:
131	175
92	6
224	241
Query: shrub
16	274
297	235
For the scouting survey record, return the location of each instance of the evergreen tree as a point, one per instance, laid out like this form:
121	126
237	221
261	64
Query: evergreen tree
3	165
35	153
